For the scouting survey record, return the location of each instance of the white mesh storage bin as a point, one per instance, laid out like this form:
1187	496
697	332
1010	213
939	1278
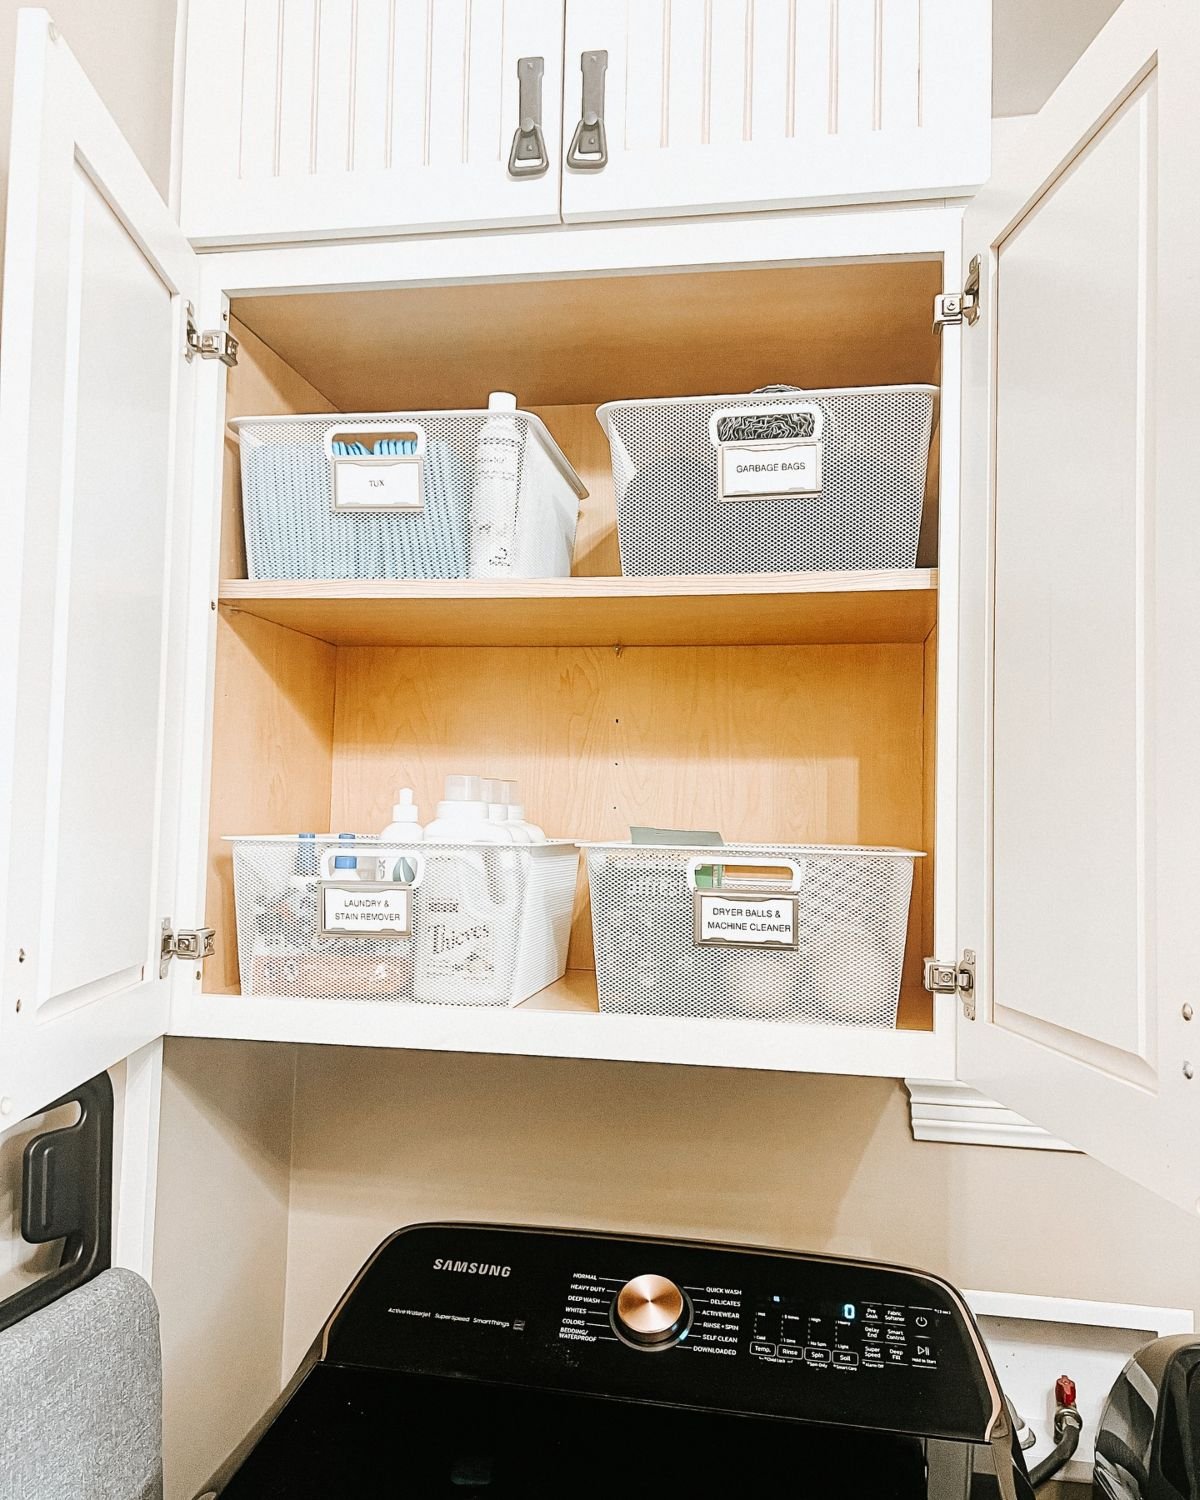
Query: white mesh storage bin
767	932
488	923
315	507
772	482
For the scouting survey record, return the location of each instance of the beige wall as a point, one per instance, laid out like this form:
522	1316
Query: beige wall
1035	44
127	49
817	1163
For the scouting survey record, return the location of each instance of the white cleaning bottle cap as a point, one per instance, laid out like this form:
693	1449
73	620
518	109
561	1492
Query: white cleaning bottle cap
462	789
493	795
405	809
502	401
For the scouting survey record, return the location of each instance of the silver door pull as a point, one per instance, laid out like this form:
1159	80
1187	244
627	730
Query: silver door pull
589	145
528	155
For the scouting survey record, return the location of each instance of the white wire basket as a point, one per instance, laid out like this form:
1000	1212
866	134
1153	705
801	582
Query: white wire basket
812	934
310	509
438	924
775	481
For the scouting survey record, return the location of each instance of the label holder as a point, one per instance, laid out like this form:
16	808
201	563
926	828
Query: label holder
394	921
785	468
366	483
782	909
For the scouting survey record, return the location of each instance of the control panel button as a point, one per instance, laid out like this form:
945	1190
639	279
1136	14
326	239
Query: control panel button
766	1349
650	1312
818	1356
845	1358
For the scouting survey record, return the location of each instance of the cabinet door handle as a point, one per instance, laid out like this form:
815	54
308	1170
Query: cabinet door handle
589	145
528	155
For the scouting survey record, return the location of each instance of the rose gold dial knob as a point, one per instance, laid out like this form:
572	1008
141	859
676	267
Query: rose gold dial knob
650	1311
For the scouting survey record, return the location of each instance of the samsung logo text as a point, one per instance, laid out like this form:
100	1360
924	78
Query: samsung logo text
472	1268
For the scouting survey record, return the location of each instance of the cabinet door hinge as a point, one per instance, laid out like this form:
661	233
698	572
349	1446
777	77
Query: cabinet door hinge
952	308
944	977
193	944
213	343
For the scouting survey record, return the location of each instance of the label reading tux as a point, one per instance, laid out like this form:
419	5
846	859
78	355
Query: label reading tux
771	467
365	909
747	920
379	483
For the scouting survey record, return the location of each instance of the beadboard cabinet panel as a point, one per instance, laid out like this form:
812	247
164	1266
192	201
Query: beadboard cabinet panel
315	119
726	105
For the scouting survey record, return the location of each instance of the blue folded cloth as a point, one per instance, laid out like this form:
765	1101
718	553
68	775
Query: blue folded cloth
292	530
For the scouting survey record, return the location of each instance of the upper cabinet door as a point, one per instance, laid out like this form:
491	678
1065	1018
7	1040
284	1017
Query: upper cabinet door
1079	812
720	105
312	119
93	513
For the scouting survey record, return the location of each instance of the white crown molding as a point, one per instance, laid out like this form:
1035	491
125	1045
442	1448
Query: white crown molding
952	1112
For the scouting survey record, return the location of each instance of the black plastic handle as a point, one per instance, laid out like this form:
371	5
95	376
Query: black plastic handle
66	1193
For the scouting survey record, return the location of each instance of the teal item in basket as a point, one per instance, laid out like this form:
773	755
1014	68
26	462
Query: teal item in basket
293	531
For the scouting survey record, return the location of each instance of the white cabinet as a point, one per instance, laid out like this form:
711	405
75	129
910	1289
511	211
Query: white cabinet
314	119
95	415
1052	783
323	118
1079	715
725	105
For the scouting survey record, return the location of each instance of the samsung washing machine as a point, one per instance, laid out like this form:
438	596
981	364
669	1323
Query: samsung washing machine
471	1360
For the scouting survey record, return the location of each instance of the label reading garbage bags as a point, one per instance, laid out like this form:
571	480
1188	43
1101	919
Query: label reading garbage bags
747	920
770	467
365	909
379	483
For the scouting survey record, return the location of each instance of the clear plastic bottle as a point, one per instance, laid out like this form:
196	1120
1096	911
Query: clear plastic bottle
495	490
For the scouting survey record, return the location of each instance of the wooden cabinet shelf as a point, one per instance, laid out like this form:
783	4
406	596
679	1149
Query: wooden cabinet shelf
883	606
564	1021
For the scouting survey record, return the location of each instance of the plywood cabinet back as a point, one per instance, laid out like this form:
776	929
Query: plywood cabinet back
779	743
610	338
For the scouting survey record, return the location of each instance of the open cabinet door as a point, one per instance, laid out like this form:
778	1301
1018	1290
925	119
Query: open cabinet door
96	441
1080	692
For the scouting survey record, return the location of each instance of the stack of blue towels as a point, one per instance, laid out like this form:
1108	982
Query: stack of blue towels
292	530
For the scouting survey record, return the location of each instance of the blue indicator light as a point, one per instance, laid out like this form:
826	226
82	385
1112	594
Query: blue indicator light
774	1299
849	1312
683	1335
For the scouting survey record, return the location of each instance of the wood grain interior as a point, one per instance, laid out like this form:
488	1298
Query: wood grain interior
272	744
811	744
751	609
272	756
605	338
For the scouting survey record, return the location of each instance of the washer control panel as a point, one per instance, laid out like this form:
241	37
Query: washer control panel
719	1327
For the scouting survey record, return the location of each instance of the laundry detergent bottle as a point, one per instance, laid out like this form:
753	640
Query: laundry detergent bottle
466	903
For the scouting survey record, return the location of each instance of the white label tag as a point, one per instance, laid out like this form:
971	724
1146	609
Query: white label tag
366	909
379	483
772	467
745	920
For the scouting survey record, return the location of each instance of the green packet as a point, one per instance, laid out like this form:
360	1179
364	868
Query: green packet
707	876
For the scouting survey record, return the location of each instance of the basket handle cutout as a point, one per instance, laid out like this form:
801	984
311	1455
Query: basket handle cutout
385	859
758	423
703	873
410	440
